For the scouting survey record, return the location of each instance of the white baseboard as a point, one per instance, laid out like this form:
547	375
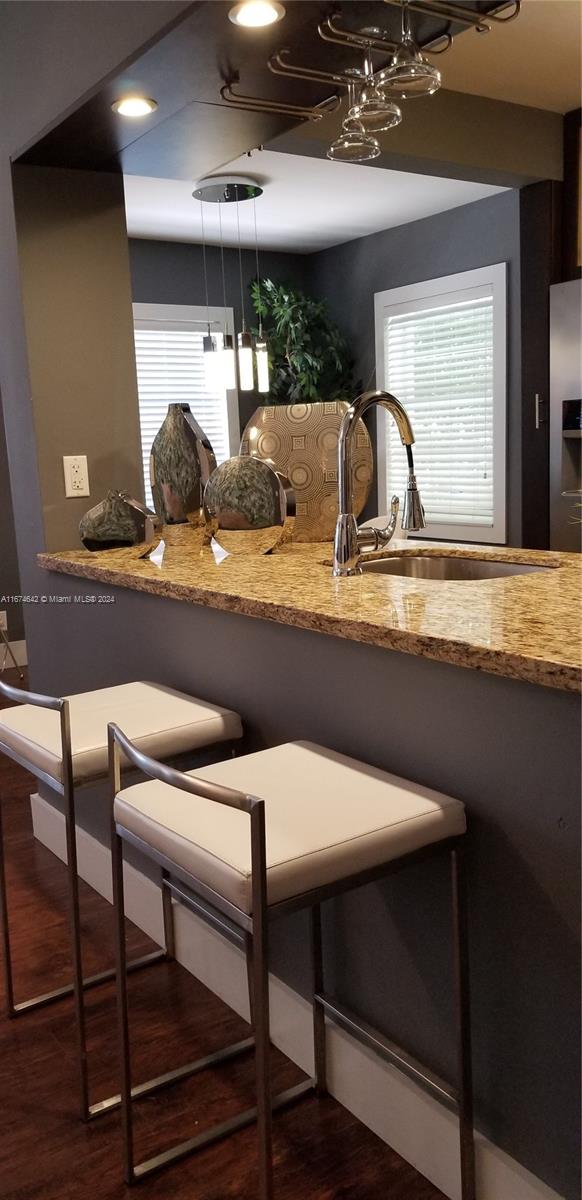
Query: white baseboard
19	651
411	1122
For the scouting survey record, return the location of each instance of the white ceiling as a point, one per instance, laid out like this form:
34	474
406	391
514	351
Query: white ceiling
308	204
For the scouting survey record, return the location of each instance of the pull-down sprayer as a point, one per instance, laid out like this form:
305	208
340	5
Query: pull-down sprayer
349	540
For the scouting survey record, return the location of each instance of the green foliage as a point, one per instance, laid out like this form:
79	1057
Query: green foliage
308	356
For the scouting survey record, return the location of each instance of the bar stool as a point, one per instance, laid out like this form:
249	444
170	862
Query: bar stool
320	824
63	742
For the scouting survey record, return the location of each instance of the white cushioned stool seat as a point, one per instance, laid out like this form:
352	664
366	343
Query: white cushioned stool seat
327	817
160	721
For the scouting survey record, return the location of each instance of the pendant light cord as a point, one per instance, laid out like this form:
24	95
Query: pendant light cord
222	265
204	267
240	270
258	272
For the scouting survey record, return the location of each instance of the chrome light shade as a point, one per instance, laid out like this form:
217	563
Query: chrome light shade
212	363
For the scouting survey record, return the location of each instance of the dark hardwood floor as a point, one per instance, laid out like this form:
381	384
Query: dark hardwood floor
46	1153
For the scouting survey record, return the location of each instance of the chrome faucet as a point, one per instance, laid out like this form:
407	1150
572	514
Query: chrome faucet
349	540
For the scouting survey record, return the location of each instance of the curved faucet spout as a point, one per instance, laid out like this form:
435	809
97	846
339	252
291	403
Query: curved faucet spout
348	539
348	428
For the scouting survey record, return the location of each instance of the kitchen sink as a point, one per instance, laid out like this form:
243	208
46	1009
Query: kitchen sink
440	566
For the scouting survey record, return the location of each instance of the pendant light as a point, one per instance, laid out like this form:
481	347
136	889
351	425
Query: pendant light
261	348
227	356
209	343
246	375
219	190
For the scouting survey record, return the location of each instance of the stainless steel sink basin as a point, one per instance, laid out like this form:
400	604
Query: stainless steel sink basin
439	566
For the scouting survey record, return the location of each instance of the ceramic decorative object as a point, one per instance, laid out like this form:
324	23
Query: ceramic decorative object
301	441
248	506
119	521
181	462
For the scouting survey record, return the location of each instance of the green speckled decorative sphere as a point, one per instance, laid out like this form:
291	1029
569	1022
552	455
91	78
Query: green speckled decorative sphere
248	507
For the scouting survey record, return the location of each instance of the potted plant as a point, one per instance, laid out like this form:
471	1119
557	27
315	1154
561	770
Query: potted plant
311	386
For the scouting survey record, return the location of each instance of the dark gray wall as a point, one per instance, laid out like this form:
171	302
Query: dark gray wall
76	293
51	54
472	236
9	576
516	227
509	750
173	273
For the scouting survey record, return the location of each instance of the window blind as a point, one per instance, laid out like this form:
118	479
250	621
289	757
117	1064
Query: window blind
438	359
170	370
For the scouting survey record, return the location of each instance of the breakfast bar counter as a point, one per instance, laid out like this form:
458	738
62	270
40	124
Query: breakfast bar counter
522	626
470	687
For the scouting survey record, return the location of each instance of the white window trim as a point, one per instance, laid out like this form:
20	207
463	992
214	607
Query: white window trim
494	276
177	315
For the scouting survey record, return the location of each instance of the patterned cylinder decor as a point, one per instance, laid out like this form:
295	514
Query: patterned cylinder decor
301	441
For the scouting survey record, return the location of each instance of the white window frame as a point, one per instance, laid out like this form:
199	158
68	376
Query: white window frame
176	316
405	299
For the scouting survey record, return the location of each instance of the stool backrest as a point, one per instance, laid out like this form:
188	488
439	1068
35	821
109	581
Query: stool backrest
21	697
118	743
57	705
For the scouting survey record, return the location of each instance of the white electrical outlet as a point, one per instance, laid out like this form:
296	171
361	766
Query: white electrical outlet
4	621
76	475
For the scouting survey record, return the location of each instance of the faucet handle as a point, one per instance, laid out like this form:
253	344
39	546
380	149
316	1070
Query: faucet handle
379	535
386	532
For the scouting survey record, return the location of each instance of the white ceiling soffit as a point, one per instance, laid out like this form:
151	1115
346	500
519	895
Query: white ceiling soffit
308	204
534	60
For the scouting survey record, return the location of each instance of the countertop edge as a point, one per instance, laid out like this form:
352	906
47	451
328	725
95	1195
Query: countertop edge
538	671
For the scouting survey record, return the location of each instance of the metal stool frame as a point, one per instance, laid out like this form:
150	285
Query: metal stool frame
9	653
79	983
251	932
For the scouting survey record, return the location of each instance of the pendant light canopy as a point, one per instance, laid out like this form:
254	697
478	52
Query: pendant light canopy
234	190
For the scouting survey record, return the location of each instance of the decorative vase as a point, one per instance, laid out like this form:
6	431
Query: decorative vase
301	441
181	462
119	521
248	506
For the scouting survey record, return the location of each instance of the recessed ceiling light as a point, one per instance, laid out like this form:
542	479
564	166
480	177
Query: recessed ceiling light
255	13
134	106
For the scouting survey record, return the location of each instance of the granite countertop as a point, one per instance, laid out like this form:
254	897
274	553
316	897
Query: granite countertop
523	626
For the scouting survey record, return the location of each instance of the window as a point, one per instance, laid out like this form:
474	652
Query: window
170	370
441	349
